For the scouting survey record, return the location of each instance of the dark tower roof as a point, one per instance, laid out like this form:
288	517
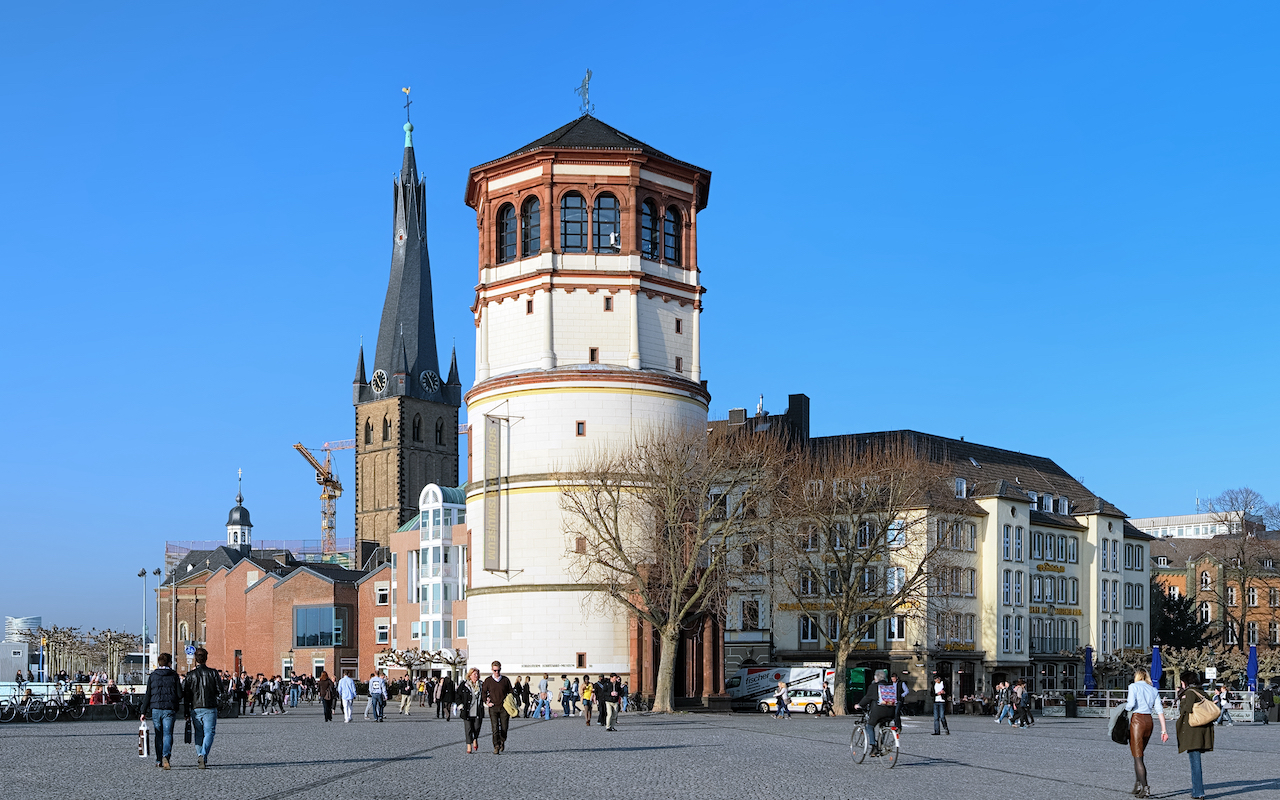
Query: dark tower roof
453	380
407	333
360	373
588	133
239	514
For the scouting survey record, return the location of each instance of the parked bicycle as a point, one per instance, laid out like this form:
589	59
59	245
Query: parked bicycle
30	708
56	705
886	744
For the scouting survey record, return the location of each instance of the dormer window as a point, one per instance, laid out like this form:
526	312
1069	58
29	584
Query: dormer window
1035	499
961	488
1161	561
1046	502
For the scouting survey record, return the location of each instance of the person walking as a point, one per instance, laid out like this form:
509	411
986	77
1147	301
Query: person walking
624	696
576	697
295	691
1223	699
377	694
566	696
448	696
161	700
470	708
200	696
494	693
544	697
1265	701
406	696
1142	703
939	706
431	691
325	688
586	698
1194	740
1004	701
422	692
598	694
347	692
612	698
783	698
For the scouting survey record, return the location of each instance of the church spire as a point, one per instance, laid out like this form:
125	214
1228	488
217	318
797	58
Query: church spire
360	380
453	380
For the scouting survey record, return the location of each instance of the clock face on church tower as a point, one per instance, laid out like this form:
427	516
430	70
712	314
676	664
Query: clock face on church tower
430	381
400	236
379	382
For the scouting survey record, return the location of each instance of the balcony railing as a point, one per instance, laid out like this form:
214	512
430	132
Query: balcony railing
1053	644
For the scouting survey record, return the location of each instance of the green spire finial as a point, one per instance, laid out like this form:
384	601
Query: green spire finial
408	134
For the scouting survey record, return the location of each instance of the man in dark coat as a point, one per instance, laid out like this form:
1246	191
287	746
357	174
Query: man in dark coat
161	700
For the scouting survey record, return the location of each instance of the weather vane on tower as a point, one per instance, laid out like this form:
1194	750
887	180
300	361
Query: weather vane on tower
407	103
584	92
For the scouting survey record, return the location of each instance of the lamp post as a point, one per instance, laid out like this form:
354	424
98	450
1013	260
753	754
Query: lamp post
156	572
142	573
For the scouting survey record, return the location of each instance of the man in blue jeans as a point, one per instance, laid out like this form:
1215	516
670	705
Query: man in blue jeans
161	700
200	692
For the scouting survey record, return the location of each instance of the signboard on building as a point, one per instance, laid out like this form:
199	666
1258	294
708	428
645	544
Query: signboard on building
1210	673
492	492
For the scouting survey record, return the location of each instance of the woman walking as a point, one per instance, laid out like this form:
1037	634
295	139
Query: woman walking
325	688
587	690
1192	739
1142	704
783	698
469	708
447	696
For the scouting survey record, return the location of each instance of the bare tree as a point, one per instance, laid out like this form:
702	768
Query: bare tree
1246	558
854	544
108	647
650	526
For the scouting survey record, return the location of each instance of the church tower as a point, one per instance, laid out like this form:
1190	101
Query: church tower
587	330
239	528
406	415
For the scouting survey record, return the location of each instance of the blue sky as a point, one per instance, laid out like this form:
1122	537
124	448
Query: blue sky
1049	227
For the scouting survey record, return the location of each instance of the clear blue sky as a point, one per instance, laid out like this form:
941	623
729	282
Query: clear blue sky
1049	227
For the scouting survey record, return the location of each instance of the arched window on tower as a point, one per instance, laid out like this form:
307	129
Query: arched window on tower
530	227
417	427
672	231
649	230
368	431
386	429
573	223
440	431
506	243
606	236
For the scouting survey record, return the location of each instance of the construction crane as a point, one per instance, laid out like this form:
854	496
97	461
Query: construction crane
330	490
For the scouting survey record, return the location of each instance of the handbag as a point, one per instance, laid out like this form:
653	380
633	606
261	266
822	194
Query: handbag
509	706
186	732
1204	712
1120	727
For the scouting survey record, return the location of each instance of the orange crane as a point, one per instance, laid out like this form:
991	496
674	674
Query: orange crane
330	490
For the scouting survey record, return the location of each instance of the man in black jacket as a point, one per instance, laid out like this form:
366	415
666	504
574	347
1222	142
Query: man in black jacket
161	700
881	702
200	692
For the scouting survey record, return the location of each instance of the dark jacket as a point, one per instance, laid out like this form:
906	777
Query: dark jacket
464	698
325	689
164	692
495	691
447	691
1190	737
200	689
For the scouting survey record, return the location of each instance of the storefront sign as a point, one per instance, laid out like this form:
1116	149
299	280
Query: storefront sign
1051	568
1055	611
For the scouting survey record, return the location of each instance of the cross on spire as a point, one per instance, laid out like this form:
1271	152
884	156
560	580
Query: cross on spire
407	103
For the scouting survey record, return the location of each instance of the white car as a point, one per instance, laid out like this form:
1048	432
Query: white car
807	700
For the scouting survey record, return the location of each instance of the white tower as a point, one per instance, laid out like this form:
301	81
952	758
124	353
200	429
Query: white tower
239	529
586	319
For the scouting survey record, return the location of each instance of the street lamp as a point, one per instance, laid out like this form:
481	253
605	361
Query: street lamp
156	572
142	573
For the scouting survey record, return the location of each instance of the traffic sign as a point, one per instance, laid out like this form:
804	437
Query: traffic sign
1210	673
191	650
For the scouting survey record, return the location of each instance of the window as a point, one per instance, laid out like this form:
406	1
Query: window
506	241
1073	549
1017	634
1252	595
573	223
368	432
864	535
895	580
462	628
1233	633
1140	559
649	230
1017	544
1008	587
957	579
1273	597
1007	543
1206	613
580	428
1274	627
1137	595
897	534
1128	595
896	629
1115	595
833	627
606	236
386	429
835	586
608	302
1037	589
808	629
1103	565
1017	588
1205	581
808	583
1037	545
866	580
1115	548
1251	633
679	325
1103	638
440	431
751	555
1103	595
530	229
1162	561
1004	634
1128	634
809	539
971	582
672	233
970	625
383	633
679	364
1231	595
941	626
417	427
593	355
867	627
960	488
751	615
415	630
319	626
973	537
528	306
1049	583
1173	592
1062	548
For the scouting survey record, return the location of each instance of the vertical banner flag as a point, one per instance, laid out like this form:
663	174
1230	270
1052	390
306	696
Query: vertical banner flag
492	496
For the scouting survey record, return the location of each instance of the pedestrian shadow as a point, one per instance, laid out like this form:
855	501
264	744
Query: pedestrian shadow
622	748
318	762
1230	788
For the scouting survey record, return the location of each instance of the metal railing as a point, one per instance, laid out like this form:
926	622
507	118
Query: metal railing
1054	644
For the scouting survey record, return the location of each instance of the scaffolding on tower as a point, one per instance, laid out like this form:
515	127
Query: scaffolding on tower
330	490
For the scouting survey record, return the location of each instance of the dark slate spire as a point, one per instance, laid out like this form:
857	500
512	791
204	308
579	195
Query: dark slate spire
407	333
454	380
360	374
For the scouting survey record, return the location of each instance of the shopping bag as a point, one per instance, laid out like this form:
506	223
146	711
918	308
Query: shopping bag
1120	725
144	740
186	732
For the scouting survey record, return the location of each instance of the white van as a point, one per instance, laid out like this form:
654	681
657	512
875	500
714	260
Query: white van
751	686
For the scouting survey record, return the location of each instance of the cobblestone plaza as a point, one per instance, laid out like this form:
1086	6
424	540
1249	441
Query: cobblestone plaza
680	756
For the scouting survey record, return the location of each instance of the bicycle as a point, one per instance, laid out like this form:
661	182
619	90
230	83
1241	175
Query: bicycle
226	703
56	705
887	744
638	703
31	711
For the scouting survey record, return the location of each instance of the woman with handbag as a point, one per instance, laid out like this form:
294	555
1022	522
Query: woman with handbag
1142	704
470	709
1196	714
326	691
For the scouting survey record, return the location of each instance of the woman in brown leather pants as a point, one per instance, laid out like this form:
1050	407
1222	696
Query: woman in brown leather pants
1143	703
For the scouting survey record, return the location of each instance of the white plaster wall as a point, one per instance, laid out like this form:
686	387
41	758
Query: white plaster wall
515	337
580	322
537	632
659	342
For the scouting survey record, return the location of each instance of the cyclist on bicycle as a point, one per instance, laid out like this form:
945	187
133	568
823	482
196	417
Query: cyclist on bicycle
881	702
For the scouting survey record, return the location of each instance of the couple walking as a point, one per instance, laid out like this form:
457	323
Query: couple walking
198	694
1194	738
